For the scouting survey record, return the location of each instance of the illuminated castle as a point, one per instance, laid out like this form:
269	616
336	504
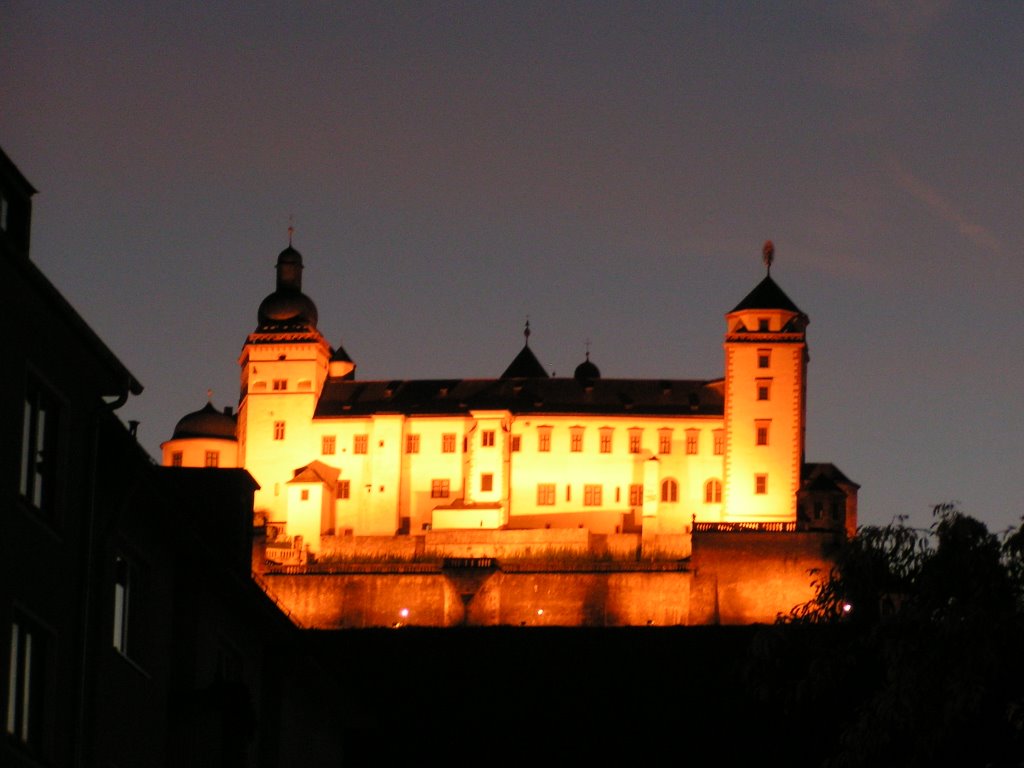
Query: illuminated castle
641	463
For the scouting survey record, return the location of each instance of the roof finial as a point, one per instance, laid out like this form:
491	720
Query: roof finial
209	395
768	254
291	230
526	331
587	347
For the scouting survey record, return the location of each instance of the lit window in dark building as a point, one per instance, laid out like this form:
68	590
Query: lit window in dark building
25	683
39	448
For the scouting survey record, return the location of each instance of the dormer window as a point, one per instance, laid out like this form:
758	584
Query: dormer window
762	324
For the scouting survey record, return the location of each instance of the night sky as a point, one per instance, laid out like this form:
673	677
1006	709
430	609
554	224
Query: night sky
608	170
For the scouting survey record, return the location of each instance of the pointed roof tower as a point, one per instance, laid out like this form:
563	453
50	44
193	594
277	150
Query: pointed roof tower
767	296
525	365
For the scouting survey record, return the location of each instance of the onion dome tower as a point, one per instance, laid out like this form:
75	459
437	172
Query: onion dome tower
586	372
283	366
287	306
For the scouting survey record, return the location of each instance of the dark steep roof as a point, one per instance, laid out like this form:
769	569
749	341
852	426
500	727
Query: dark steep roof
824	477
613	397
525	366
767	295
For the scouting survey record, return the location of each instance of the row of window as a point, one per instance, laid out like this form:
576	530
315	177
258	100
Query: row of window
360	443
440	488
593	494
211	459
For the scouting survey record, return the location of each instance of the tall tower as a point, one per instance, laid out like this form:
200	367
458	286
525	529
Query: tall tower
283	366
765	393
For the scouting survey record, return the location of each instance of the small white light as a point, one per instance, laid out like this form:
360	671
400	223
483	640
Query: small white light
404	613
540	611
847	607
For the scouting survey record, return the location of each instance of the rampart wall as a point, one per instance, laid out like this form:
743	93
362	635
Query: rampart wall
731	578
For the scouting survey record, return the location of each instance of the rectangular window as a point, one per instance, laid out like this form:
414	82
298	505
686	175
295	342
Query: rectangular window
487	438
344	489
25	683
764	358
359	443
439	489
762	324
280	385
635	440
764	389
176	459
719	443
39	459
692	441
606	440
412	443
279	430
568	493
212	459
516	443
665	441
636	495
761	428
760	484
545	494
122	603
487	482
448	442
576	439
592	495
327	445
544	439
4	207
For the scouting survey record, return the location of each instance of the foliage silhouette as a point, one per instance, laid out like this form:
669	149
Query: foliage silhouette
910	652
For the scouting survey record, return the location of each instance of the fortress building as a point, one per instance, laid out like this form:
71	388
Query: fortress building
524	463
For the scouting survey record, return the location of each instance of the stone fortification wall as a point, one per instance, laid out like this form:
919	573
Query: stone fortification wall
484	597
558	578
748	577
505	544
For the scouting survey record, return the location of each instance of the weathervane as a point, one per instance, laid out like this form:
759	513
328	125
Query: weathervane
526	330
291	230
768	254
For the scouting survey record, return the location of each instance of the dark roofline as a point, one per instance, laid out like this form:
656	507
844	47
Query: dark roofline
16	172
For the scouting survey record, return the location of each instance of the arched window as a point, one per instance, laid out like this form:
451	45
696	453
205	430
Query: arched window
670	490
713	492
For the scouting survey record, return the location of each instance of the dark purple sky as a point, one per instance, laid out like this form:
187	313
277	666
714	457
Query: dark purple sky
610	170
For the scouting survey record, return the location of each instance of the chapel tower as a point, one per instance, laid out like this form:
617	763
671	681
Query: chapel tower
765	404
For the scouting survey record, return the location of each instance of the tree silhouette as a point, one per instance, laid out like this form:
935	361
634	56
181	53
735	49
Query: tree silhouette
911	652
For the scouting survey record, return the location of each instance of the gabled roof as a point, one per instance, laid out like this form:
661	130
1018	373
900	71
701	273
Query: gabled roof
613	397
316	472
525	366
824	476
767	295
